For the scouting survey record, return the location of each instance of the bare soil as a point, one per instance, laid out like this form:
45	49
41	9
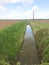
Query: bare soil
42	20
5	23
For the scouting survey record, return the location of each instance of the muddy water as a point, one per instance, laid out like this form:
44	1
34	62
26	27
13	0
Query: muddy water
28	54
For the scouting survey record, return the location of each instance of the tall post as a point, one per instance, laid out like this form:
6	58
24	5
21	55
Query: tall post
33	15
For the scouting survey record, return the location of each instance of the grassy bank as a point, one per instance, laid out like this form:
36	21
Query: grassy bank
10	42
41	31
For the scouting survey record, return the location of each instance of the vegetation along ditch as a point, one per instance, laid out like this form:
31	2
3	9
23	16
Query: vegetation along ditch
10	42
11	39
41	31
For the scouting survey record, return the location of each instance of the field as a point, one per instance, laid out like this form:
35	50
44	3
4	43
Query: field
12	35
41	33
42	20
5	23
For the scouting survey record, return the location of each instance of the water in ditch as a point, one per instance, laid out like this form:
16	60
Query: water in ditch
29	54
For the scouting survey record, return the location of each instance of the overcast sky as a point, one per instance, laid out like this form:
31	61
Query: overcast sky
23	9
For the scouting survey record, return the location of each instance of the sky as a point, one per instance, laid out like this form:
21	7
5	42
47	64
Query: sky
23	9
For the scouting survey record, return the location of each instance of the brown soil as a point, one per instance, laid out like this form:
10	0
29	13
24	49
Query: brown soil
42	20
5	23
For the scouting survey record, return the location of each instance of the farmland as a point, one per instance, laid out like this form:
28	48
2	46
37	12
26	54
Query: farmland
6	23
41	33
12	36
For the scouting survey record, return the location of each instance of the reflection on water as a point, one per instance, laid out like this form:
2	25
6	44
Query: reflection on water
28	28
28	32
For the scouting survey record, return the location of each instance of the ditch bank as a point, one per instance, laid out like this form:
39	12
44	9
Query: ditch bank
29	53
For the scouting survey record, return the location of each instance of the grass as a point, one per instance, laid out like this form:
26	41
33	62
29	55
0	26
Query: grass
44	64
11	41
41	31
36	26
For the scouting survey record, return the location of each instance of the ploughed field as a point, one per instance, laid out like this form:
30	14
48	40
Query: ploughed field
42	20
5	23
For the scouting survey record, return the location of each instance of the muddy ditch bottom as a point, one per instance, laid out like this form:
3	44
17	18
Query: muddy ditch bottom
29	54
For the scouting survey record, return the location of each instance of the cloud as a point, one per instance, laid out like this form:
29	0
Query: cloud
41	14
27	14
15	14
37	15
3	2
21	1
19	7
2	9
18	14
16	1
35	7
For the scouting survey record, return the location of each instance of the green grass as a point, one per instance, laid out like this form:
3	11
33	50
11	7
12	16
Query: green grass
41	31
3	62
11	40
36	26
44	64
